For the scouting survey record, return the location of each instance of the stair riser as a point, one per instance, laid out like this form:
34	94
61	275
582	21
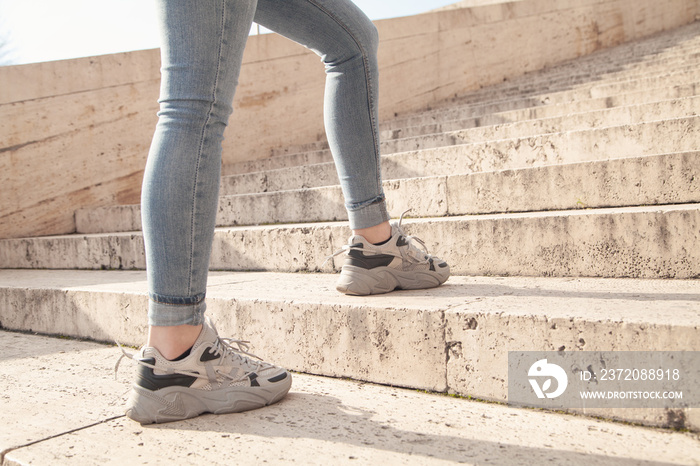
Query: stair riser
659	244
680	135
653	180
467	120
518	101
637	242
478	341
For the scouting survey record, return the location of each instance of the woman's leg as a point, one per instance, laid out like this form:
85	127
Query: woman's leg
380	257
202	43
185	369
346	40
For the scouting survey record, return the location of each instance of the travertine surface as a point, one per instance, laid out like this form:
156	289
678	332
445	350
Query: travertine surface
645	242
92	119
51	415
651	180
452	338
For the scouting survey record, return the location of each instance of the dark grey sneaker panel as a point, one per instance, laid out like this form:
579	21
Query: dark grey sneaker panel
401	241
146	378
278	378
359	259
209	355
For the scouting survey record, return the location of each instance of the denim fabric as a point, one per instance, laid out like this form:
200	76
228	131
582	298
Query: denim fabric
202	44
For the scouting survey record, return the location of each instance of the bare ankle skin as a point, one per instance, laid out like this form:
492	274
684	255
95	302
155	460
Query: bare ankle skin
172	341
375	234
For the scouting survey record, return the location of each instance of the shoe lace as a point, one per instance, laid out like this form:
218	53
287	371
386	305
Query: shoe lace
419	254
239	354
222	347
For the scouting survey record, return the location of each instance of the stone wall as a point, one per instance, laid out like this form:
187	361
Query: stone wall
75	133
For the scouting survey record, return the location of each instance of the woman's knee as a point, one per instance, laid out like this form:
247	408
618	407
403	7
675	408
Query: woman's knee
194	112
371	37
361	43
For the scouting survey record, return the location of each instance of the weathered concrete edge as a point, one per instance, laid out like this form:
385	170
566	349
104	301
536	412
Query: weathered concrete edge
643	242
649	180
378	343
7	451
511	153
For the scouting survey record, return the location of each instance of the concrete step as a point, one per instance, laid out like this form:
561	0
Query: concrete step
580	109
650	180
454	338
518	100
617	116
680	135
672	51
485	117
584	72
560	78
645	242
322	421
605	64
564	84
527	121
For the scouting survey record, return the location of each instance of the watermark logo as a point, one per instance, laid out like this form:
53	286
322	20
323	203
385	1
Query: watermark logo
604	379
541	369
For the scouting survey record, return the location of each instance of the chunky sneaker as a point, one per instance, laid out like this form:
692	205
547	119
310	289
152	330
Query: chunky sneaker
396	264
215	377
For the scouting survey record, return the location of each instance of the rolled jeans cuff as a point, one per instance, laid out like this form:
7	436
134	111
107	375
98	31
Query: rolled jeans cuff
369	214
170	311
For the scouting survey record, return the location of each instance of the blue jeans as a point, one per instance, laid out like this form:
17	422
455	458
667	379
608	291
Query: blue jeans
201	52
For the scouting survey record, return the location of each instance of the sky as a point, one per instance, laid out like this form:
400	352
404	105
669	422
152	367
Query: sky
44	30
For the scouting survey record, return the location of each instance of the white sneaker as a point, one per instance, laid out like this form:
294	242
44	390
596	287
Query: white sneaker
397	264
215	377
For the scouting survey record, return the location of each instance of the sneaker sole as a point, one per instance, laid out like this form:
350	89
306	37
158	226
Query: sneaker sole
179	403
362	282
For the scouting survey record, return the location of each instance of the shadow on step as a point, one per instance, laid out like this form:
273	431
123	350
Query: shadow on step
487	287
327	419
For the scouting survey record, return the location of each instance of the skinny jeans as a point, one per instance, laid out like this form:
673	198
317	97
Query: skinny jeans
202	43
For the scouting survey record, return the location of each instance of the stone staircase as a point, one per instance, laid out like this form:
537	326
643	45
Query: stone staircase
561	199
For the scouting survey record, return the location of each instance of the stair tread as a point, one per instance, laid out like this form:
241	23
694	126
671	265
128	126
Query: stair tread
331	420
301	322
653	301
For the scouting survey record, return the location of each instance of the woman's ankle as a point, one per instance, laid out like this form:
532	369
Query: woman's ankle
375	234
173	341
